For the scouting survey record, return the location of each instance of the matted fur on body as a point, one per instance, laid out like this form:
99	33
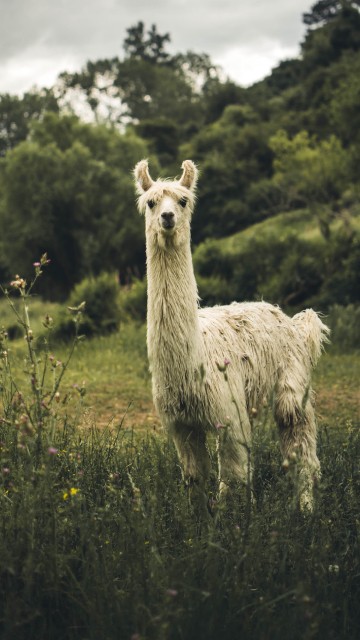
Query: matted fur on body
212	367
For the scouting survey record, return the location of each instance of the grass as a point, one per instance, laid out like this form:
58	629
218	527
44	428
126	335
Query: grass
99	538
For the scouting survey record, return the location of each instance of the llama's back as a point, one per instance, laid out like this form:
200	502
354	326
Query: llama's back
261	342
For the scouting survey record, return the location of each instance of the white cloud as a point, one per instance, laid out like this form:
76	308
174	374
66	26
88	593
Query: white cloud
247	64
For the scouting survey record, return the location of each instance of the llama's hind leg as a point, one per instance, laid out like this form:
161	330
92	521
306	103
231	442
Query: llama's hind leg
297	428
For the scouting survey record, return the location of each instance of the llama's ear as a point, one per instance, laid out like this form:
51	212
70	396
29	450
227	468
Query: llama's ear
142	176
189	176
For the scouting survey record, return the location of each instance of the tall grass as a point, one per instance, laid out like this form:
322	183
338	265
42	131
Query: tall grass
100	541
99	537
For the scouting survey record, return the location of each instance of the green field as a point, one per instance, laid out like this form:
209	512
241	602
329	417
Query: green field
99	536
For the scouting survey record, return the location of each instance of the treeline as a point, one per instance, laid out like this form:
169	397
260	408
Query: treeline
290	143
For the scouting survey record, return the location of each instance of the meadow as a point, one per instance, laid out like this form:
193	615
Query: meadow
100	538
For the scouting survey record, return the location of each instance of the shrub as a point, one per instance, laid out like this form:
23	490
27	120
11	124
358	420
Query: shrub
101	313
133	300
344	323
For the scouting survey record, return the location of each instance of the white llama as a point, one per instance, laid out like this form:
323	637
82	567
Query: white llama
265	352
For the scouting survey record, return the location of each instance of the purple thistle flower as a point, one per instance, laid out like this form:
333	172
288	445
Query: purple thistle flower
52	451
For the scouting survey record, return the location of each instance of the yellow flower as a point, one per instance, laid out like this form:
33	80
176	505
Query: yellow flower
72	492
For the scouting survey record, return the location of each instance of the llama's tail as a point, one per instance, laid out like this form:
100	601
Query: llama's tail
314	332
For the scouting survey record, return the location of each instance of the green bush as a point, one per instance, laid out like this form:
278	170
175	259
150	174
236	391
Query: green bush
344	323
101	313
133	300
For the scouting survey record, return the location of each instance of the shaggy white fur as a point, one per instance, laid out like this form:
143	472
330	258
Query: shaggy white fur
212	367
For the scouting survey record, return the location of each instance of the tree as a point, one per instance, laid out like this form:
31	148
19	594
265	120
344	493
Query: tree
233	152
73	197
309	172
326	10
16	115
150	48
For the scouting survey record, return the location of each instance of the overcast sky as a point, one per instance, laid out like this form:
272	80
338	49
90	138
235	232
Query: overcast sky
41	38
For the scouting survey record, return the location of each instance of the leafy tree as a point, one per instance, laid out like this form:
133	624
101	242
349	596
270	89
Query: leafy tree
73	197
233	152
16	115
309	172
324	45
325	10
150	48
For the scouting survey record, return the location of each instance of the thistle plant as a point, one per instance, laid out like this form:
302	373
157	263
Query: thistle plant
27	410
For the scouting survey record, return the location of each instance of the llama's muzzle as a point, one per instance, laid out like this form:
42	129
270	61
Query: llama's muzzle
167	220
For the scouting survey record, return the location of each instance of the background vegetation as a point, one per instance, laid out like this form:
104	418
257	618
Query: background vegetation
278	206
99	535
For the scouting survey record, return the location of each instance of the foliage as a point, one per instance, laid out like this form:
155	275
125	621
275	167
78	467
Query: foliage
98	300
150	48
232	152
133	300
98	525
289	141
325	10
69	191
17	114
27	412
344	323
285	260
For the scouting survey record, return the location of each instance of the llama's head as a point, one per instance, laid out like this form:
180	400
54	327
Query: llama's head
167	205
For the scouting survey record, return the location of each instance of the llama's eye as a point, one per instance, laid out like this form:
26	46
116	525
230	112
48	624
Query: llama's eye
183	202
151	204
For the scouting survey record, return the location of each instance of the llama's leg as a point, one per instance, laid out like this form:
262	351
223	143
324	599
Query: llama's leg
297	427
195	462
234	453
191	448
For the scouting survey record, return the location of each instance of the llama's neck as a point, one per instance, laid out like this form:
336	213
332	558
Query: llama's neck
174	339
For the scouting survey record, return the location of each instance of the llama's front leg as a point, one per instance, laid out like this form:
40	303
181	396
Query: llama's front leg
190	444
234	455
298	444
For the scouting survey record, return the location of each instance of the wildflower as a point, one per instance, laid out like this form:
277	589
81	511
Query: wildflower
254	411
52	451
18	283
171	592
36	264
6	471
57	396
44	260
72	492
219	426
285	464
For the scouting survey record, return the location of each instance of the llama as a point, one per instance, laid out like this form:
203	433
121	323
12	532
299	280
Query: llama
213	367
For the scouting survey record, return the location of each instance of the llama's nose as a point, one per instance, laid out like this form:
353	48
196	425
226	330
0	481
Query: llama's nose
167	219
